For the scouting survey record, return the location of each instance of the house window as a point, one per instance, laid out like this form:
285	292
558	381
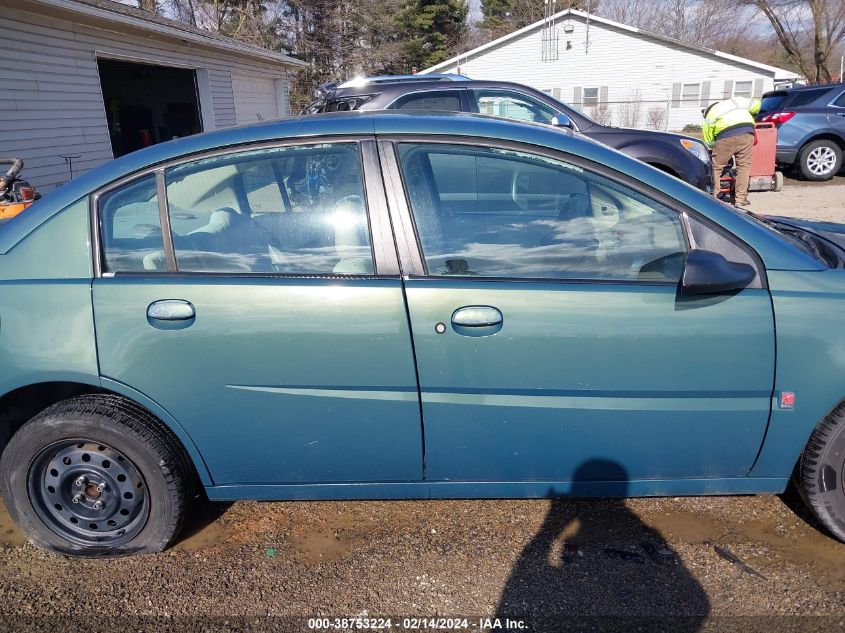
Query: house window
690	94
591	97
743	88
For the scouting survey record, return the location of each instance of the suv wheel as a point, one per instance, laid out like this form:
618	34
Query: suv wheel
96	476
821	472
820	160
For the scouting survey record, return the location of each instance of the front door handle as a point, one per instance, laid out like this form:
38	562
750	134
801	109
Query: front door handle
477	320
171	314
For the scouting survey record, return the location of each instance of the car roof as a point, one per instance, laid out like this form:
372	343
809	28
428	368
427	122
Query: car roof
816	87
436	125
414	86
358	82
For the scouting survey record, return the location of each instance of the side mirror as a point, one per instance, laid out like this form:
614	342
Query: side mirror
706	272
561	120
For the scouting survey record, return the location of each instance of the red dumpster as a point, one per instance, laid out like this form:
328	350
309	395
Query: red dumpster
763	175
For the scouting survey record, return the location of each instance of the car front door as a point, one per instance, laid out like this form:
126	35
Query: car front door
549	331
254	295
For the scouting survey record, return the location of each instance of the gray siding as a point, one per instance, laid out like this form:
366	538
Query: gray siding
52	103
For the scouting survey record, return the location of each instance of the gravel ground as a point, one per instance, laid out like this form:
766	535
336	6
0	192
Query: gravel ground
816	201
707	563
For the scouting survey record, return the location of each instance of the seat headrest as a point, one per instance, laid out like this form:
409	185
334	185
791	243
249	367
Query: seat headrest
220	221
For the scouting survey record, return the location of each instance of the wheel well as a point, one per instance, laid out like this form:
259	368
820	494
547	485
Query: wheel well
19	406
826	137
22	404
665	169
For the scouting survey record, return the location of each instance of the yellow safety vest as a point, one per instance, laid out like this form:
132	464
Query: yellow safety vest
728	114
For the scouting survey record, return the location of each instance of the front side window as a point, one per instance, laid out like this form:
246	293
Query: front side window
432	100
840	102
296	210
513	106
482	212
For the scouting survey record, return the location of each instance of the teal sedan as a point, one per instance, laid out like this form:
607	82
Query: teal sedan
386	305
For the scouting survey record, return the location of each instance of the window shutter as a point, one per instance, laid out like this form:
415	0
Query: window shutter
705	94
576	97
556	93
758	88
729	89
676	95
603	95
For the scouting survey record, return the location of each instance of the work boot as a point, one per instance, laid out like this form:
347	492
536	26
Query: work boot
743	203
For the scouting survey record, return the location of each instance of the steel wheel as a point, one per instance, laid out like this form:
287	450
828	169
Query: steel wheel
88	493
821	160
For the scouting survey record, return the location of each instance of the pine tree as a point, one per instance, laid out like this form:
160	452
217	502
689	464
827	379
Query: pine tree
430	28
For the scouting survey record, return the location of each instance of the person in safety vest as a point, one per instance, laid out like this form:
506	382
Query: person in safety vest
729	131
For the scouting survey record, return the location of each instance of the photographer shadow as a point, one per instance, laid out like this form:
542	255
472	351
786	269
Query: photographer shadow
594	565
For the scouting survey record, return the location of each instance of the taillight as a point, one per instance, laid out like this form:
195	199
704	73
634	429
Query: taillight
778	118
26	194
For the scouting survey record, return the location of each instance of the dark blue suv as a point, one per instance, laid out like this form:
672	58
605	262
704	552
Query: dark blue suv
811	128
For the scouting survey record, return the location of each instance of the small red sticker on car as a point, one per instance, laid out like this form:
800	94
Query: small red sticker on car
787	399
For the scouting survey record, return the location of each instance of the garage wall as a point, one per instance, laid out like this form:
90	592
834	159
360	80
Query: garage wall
51	102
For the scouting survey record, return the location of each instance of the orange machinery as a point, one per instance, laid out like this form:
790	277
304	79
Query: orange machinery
15	194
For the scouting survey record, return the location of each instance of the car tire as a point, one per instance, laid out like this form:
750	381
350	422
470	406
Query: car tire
820	160
96	476
821	473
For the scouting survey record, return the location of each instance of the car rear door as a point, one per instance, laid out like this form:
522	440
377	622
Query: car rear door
254	295
548	328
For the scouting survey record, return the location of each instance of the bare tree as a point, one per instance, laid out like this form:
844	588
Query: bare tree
656	117
699	22
148	5
809	31
630	109
601	114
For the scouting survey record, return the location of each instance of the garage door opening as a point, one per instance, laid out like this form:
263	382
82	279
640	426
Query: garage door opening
147	104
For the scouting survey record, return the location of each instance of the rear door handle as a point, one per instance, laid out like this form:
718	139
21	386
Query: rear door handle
477	320
171	314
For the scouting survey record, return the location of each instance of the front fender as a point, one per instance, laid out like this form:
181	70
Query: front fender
808	308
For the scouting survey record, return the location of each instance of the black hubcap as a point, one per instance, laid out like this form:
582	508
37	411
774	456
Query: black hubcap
88	493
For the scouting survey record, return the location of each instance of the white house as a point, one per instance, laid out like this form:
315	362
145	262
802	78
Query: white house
616	73
86	80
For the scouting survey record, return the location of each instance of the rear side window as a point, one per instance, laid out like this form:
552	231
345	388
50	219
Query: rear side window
292	210
130	225
443	100
482	212
805	97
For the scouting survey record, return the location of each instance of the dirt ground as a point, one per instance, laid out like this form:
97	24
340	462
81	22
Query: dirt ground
669	564
816	201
